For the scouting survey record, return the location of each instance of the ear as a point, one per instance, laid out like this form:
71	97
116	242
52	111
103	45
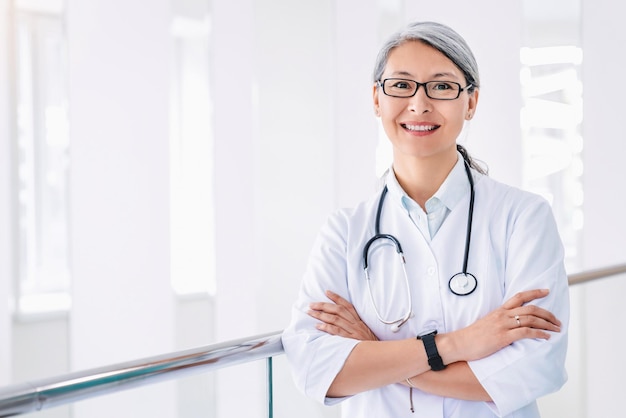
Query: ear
471	105
375	100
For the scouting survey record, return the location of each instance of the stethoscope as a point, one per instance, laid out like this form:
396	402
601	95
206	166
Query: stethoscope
461	284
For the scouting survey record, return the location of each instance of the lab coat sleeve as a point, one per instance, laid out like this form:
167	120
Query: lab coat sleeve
530	368
315	357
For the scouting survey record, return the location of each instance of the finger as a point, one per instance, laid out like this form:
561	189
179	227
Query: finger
342	302
332	329
323	306
361	335
324	316
332	319
525	332
335	325
350	313
538	323
335	297
339	312
329	308
338	299
524	297
532	310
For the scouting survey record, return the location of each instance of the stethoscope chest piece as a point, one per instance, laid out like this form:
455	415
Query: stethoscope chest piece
462	284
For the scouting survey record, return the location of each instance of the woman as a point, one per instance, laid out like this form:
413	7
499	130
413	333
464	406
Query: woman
418	339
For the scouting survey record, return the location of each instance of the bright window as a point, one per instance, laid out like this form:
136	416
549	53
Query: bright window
42	153
192	233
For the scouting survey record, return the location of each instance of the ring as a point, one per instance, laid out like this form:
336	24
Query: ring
519	324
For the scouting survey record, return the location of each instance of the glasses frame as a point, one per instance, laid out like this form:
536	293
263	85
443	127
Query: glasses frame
381	83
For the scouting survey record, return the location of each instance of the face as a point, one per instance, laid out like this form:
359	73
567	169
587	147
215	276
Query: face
418	126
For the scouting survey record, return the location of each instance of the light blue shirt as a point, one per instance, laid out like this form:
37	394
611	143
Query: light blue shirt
451	191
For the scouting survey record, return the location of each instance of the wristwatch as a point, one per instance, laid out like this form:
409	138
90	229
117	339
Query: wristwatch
434	359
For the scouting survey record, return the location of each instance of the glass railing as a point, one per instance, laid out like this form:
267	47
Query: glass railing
46	393
65	389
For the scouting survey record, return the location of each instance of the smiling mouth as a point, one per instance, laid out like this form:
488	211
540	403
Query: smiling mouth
419	128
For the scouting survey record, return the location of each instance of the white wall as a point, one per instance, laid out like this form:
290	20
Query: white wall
6	253
274	159
123	306
356	36
235	132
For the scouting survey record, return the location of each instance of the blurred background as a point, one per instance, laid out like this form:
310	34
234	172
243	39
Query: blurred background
165	166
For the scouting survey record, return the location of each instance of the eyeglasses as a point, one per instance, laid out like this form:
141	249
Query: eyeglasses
438	90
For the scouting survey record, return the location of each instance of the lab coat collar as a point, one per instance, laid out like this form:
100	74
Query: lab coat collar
451	191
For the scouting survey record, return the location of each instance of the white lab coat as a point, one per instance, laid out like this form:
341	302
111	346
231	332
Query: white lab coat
515	246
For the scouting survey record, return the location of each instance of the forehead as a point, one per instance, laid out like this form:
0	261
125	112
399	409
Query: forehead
417	59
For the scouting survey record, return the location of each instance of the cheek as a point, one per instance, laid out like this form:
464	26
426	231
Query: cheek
390	109
456	114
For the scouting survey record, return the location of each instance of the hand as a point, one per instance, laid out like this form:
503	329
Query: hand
340	318
512	321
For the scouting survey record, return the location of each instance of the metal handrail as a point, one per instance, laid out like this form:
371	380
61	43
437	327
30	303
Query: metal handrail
68	388
601	273
72	387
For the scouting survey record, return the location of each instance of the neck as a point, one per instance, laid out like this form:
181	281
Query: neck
421	177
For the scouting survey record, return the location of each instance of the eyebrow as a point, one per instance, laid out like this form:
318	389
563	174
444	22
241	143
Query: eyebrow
434	76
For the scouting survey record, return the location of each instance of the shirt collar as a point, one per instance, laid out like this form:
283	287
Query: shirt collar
451	191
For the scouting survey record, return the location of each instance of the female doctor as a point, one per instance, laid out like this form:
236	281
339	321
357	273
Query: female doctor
444	294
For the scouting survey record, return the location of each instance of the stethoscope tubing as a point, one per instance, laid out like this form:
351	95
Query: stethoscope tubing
470	216
396	324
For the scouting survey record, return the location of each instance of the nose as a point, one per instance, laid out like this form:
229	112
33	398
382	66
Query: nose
419	102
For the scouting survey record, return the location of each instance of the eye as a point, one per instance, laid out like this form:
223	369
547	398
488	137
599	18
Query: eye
441	86
443	90
401	85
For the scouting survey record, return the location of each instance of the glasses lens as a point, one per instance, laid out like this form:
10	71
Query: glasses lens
397	87
443	90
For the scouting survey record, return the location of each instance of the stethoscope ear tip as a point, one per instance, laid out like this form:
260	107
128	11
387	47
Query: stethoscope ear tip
396	326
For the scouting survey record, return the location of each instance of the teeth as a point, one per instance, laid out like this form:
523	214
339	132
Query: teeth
420	128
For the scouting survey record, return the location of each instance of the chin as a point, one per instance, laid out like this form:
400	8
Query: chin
425	152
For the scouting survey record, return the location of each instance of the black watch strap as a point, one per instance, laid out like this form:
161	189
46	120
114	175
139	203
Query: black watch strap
434	359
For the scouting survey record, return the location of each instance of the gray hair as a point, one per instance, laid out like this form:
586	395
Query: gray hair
438	36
